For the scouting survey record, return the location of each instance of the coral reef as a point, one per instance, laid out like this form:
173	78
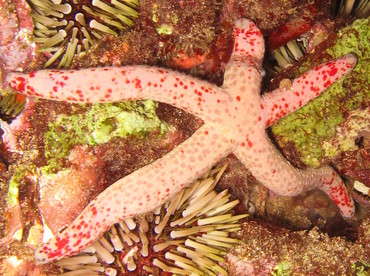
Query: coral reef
198	41
230	128
266	248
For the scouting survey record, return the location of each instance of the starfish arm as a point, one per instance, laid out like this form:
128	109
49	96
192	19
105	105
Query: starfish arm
277	174
140	191
248	40
243	71
308	86
112	84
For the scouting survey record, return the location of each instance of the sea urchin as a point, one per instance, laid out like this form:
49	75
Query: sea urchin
188	235
11	104
65	28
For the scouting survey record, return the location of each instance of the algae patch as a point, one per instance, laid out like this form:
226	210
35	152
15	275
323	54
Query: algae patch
98	125
314	125
348	132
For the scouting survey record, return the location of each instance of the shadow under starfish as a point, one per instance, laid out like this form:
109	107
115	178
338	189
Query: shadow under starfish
235	118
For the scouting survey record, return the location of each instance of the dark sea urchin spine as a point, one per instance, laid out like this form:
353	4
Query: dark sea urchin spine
188	235
290	53
357	8
11	104
65	28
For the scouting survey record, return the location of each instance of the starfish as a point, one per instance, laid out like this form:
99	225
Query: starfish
235	117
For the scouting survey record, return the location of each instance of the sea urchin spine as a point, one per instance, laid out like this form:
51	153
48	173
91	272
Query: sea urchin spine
188	235
65	28
11	104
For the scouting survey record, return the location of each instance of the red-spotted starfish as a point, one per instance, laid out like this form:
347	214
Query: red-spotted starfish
235	118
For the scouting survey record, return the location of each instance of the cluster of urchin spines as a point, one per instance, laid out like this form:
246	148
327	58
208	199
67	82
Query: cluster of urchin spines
188	235
295	49
11	105
66	28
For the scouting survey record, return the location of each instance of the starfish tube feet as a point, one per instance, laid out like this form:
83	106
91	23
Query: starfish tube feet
139	192
303	89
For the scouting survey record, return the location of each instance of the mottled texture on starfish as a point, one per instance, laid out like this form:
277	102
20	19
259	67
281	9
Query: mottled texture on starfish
235	117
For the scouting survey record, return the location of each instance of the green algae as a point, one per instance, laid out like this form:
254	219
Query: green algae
314	125
20	172
12	200
13	190
283	268
98	125
360	268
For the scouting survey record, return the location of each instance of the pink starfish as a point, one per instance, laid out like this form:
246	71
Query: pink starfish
235	118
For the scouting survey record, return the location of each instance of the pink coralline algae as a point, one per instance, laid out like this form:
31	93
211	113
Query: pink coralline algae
64	195
235	118
15	30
